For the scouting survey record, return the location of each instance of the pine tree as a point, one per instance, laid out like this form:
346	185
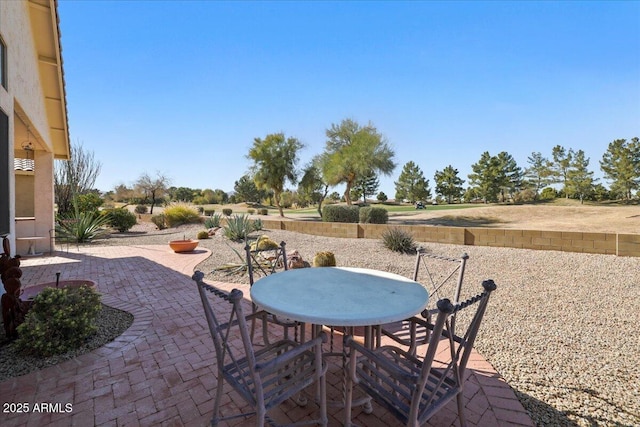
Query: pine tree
448	183
621	165
580	180
411	184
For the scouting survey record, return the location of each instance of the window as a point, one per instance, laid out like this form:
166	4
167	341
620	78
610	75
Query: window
3	64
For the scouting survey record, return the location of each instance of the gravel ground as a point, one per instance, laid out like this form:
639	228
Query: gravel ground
561	327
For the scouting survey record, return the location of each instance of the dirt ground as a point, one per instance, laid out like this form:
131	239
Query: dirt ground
605	219
553	217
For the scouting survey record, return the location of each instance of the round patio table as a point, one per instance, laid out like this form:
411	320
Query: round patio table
340	296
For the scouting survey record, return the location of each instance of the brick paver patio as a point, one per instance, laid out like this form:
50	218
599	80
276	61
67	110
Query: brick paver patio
161	371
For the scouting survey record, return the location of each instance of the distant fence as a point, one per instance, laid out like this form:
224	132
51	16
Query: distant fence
568	241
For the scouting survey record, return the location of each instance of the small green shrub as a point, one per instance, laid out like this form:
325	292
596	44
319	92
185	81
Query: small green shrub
204	234
324	259
160	221
238	227
141	209
59	321
121	219
227	212
212	221
89	202
257	224
179	214
398	240
209	212
340	213
251	211
200	210
264	211
371	215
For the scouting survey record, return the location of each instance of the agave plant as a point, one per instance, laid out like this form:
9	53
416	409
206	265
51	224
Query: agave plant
238	227
212	221
79	227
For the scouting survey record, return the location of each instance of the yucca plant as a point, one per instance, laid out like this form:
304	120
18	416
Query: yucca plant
80	227
257	224
212	221
238	227
398	240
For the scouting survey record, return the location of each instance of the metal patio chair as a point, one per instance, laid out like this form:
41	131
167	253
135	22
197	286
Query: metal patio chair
266	262
444	277
266	377
414	388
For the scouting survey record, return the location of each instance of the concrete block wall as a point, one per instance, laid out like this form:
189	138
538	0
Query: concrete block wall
568	241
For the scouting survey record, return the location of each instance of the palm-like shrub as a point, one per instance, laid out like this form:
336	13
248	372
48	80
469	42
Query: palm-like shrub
212	221
257	224
398	240
238	227
80	227
178	214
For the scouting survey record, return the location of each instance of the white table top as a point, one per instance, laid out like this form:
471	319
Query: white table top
340	296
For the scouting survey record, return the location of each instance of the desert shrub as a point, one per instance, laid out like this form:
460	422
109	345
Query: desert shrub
209	212
324	259
257	224
340	213
525	196
251	211
141	209
179	214
238	227
59	321
204	234
212	221
200	210
89	202
79	227
121	219
398	240
160	221
227	212
548	193
371	215
264	211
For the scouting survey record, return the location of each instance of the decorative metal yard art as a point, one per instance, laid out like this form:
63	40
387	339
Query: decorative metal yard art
13	309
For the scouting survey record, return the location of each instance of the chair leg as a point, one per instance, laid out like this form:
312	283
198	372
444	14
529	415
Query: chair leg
216	406
460	399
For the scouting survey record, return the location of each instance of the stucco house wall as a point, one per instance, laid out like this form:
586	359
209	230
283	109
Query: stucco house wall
35	103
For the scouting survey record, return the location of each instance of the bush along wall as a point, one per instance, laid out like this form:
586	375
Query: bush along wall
340	213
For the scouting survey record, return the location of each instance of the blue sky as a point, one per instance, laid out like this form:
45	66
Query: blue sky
183	87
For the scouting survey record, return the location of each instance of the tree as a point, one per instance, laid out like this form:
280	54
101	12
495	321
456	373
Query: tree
246	190
382	197
580	180
448	183
621	165
539	174
313	186
365	186
411	184
182	194
74	177
561	164
353	151
486	177
153	189
509	176
275	160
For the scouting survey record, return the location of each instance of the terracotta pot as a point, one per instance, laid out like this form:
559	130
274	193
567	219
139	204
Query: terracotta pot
31	292
183	245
